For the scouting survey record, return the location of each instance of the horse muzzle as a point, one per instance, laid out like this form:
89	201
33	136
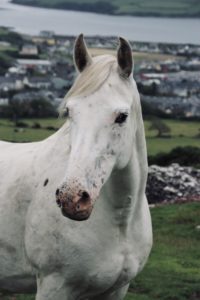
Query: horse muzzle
75	206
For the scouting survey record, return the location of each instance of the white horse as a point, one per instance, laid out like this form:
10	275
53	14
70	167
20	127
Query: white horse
98	158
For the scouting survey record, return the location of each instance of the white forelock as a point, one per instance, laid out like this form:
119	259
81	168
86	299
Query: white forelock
92	78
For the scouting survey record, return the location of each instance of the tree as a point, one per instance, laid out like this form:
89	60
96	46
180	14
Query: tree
31	105
160	126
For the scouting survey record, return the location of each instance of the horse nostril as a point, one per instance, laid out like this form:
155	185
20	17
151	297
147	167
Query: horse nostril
58	202
85	195
78	207
57	192
84	202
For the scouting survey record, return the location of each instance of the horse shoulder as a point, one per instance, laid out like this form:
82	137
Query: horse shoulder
15	197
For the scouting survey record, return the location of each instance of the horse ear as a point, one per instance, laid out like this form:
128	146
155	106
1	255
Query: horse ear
82	58
124	58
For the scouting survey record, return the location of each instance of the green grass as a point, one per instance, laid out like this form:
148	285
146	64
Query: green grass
182	133
8	48
173	269
7	130
165	145
130	7
177	127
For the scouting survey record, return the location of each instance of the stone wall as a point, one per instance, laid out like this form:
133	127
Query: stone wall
173	184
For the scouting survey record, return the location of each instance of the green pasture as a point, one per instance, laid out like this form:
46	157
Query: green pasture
157	145
177	128
182	133
173	269
8	130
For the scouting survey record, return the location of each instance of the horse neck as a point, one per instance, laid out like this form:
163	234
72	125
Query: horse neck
126	188
53	152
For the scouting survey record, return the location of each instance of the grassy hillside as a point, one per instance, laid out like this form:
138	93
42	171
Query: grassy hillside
173	269
172	8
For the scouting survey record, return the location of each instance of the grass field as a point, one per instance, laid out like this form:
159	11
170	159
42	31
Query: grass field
129	7
182	133
173	269
7	130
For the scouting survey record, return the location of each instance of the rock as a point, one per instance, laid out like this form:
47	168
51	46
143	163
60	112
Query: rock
170	189
173	184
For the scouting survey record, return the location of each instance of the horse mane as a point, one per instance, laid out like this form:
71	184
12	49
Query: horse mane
91	79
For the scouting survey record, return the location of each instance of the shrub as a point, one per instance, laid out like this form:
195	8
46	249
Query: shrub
51	128
36	125
185	156
21	124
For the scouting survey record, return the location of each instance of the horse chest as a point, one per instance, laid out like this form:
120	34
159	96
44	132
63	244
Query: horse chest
95	264
129	268
110	270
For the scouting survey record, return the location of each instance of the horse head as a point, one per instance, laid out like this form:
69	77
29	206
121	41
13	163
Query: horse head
100	108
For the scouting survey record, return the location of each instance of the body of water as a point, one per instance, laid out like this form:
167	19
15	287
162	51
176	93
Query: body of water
32	20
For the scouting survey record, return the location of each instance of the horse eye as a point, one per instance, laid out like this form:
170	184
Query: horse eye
121	118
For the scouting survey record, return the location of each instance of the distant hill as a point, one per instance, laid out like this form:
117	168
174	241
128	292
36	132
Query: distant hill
161	8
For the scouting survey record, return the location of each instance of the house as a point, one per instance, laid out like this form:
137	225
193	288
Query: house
6	84
4	101
4	44
43	83
43	66
153	76
16	71
192	65
29	50
175	106
47	33
170	66
47	36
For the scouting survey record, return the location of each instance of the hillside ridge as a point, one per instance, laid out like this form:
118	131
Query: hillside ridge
154	8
